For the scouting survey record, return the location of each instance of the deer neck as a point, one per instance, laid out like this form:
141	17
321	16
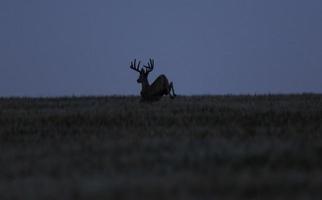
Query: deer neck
145	85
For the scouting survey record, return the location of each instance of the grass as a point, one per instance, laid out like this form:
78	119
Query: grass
194	147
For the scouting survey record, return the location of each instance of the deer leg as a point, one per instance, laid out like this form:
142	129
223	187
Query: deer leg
173	93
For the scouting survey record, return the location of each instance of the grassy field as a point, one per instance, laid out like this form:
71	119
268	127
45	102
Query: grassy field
199	147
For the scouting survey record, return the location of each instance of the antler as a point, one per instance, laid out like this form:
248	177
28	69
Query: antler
150	66
134	67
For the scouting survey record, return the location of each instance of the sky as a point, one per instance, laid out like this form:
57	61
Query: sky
84	47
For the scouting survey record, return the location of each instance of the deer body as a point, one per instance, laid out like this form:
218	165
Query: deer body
157	89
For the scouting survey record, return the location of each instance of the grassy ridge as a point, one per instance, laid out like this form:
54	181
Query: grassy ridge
192	147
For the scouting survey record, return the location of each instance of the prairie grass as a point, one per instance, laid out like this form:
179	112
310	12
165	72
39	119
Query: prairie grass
193	147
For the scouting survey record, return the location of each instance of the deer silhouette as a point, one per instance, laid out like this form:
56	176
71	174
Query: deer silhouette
158	88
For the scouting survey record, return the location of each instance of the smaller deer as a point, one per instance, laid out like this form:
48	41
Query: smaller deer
158	88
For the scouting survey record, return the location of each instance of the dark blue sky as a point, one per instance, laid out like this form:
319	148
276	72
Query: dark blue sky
82	47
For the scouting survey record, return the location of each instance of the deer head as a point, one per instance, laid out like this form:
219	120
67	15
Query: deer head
143	72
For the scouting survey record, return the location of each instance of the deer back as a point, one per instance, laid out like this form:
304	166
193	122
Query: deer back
159	86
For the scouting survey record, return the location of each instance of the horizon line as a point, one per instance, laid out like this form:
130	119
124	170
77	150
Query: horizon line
136	95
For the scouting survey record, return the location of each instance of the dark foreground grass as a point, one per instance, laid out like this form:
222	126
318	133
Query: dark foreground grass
201	147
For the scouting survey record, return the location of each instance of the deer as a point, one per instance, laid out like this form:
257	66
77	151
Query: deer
152	92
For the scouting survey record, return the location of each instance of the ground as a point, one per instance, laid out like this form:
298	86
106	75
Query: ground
193	147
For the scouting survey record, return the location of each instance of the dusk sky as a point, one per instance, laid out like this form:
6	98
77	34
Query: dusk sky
84	47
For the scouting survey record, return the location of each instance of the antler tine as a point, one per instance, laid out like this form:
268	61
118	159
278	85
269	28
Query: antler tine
152	62
134	66
139	65
150	65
